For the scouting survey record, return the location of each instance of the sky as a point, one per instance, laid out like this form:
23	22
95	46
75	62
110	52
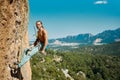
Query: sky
62	18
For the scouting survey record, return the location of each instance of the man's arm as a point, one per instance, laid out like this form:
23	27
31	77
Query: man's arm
36	41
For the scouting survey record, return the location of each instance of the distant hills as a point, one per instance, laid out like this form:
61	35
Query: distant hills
106	49
107	36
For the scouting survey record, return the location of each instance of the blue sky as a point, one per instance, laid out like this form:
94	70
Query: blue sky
71	17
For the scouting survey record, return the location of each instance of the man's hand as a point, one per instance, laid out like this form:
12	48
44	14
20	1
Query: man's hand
43	52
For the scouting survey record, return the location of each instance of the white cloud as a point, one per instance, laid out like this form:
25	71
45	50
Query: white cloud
101	2
59	43
117	40
98	40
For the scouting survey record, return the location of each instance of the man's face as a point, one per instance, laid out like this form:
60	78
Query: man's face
38	25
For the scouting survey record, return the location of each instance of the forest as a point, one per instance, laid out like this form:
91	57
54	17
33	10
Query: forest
100	62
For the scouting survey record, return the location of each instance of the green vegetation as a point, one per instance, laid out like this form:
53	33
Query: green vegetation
81	65
106	49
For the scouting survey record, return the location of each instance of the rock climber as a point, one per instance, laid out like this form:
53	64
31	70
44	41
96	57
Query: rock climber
42	37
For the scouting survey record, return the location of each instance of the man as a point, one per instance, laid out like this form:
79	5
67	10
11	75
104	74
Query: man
42	37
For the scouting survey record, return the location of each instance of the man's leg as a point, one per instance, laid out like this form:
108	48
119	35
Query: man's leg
27	55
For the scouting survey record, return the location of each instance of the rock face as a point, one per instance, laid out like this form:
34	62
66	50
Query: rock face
13	38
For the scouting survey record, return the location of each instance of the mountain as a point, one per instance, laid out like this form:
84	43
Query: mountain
107	36
80	38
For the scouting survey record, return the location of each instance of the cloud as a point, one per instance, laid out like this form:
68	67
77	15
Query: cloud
59	43
117	40
101	2
98	40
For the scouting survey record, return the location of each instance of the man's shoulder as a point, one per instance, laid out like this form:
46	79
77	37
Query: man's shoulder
44	31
